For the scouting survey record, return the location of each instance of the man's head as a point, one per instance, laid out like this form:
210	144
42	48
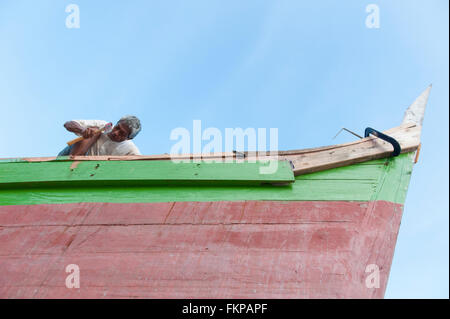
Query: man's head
126	129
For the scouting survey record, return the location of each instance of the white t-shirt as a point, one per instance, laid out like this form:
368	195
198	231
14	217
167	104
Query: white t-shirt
104	145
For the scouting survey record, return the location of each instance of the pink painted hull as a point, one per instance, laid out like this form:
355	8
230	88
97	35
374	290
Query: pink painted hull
253	249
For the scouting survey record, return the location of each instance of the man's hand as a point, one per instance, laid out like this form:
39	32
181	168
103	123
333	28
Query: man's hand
89	132
81	147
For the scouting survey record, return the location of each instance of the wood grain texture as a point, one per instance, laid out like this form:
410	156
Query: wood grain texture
367	149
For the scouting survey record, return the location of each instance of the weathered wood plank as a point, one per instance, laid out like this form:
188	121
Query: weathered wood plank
367	149
125	173
180	213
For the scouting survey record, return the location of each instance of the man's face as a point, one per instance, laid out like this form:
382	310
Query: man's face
119	133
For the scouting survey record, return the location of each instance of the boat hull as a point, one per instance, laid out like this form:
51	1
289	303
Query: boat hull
221	249
313	223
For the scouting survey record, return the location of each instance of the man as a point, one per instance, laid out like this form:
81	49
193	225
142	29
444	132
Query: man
116	142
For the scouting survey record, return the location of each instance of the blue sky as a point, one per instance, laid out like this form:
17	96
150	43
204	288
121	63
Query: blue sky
305	67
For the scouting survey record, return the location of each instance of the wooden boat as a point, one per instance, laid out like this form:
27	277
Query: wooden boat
323	225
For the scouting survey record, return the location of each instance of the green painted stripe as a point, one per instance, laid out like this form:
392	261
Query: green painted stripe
357	172
375	180
139	173
393	183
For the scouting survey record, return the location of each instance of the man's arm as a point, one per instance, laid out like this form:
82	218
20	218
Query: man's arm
83	146
75	127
